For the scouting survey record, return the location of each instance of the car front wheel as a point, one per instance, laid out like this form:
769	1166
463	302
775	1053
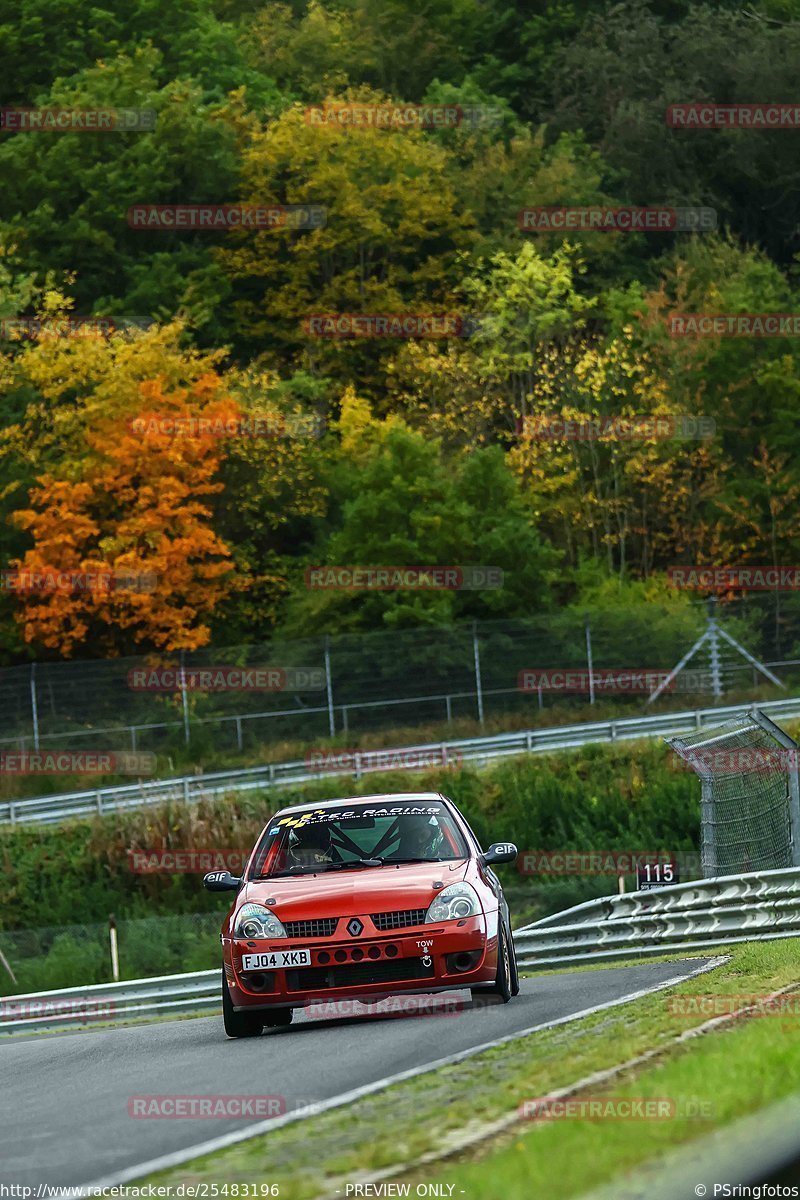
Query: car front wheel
238	1025
502	988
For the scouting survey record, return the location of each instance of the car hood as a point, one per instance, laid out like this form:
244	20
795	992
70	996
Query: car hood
353	893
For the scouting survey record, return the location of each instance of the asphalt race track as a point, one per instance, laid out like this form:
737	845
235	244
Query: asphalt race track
64	1105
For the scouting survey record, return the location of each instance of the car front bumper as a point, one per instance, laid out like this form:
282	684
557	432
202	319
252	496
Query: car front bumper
427	958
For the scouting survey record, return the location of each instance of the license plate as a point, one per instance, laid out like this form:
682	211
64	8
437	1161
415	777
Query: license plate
276	958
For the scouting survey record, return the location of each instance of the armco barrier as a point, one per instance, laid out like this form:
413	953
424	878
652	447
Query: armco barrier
685	916
479	751
670	920
110	1002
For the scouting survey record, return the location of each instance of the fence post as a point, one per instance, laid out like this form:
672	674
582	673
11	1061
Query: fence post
708	848
477	658
713	655
112	937
794	807
589	660
239	733
449	706
329	686
34	708
7	966
184	701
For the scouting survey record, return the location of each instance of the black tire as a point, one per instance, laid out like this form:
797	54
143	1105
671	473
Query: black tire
499	992
276	1017
502	982
238	1025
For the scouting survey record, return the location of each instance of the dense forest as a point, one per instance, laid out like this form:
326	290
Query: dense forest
400	145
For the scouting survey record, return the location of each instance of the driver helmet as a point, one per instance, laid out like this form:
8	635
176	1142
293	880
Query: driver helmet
420	837
311	845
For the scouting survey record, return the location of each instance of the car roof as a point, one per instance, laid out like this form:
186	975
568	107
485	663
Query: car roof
378	797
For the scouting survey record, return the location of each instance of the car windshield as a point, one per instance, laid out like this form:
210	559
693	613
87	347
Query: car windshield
355	836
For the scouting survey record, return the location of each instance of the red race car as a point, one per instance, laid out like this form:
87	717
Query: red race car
361	899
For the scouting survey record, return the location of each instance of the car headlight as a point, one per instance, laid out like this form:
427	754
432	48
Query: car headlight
255	921
457	901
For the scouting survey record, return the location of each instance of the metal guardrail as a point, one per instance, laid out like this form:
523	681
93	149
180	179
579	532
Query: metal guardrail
704	914
189	788
70	1008
700	915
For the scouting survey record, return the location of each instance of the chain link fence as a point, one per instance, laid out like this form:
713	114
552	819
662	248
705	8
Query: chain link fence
749	806
320	687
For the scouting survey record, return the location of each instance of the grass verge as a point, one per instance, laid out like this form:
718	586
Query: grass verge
746	1066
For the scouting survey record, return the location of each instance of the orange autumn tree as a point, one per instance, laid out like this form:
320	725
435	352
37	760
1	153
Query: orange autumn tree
135	505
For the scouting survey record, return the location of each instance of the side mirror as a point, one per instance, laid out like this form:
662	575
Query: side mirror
499	852
221	881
